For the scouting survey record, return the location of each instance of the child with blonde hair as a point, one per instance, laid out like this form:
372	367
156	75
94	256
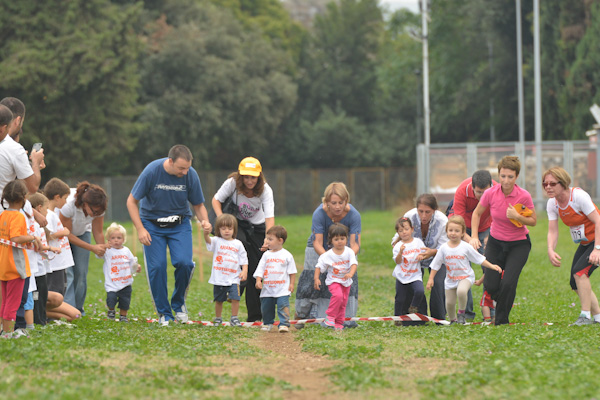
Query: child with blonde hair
119	264
457	256
229	257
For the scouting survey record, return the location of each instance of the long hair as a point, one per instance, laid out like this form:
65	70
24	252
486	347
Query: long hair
239	183
92	194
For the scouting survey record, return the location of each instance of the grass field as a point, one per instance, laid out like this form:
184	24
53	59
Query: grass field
97	358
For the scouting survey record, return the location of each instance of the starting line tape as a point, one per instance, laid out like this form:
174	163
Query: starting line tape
407	318
28	246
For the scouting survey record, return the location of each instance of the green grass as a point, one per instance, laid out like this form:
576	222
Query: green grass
98	358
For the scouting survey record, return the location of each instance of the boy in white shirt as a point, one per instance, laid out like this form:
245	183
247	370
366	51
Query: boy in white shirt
229	256
119	263
275	277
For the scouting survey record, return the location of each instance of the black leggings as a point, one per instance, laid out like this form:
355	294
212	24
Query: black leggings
511	257
253	237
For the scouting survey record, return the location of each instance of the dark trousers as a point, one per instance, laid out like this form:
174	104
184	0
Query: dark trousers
39	305
437	299
407	295
511	257
253	237
20	321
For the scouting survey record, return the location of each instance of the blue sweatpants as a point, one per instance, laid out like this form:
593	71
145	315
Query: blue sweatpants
179	241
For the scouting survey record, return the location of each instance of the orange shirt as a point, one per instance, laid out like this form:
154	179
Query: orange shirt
14	263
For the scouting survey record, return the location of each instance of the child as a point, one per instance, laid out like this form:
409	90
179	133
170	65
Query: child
275	277
119	263
57	192
229	255
40	203
14	264
340	264
457	256
408	274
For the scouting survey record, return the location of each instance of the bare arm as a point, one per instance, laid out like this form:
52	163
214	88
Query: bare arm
134	213
318	243
475	219
216	205
355	243
33	181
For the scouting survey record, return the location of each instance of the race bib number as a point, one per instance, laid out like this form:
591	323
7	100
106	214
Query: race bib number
578	233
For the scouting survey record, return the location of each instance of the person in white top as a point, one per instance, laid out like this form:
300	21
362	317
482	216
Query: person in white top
229	257
255	212
340	264
56	235
457	256
119	265
409	277
275	278
87	206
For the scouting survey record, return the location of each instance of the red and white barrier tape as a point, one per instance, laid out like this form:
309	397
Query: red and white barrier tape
28	246
407	318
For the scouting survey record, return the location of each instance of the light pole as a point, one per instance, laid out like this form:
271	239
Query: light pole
418	119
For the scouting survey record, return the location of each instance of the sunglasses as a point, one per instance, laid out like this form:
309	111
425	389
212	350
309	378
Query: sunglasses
551	184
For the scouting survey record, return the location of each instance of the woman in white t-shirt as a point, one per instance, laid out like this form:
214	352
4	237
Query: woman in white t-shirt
86	207
255	212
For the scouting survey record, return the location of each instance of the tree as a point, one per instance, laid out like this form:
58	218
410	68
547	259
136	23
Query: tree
214	86
74	66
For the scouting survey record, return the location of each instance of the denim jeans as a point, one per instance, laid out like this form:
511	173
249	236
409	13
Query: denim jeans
77	275
267	305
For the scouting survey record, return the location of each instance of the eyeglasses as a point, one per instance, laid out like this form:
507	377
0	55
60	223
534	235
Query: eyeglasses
551	184
95	213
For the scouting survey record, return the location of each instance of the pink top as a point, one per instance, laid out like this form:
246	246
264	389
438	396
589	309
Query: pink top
502	228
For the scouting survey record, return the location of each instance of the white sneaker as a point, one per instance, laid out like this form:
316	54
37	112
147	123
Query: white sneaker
283	329
19	333
163	321
266	328
182	316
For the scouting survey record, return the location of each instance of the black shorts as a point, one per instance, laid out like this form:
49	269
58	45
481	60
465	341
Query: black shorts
581	264
57	281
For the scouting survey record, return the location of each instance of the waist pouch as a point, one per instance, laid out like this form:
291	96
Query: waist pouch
168	222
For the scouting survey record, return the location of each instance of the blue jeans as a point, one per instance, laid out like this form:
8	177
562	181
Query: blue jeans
179	241
77	275
267	306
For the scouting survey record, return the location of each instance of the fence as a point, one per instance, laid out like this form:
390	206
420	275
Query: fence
296	191
442	167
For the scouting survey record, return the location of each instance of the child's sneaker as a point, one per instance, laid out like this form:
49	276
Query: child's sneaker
582	320
283	329
182	316
235	321
20	333
266	328
487	322
329	322
413	310
461	319
123	318
217	321
110	314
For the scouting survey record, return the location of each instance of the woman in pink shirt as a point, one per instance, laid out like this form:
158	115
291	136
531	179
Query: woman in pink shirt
508	245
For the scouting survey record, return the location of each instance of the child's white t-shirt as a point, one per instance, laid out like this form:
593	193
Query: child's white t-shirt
458	263
409	270
337	266
117	268
228	257
275	268
43	263
32	255
64	260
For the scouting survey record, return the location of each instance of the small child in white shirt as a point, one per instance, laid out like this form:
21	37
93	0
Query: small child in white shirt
457	256
340	264
119	263
229	256
275	277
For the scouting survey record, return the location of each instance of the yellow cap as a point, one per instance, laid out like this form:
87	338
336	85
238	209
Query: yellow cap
250	166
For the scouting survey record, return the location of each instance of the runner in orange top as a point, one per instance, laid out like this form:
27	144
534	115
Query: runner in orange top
577	210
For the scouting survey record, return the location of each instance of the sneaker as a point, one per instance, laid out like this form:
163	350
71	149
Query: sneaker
110	314
7	335
582	321
283	329
19	333
487	322
217	321
235	321
461	319
266	328
123	318
413	310
182	316
163	321
329	322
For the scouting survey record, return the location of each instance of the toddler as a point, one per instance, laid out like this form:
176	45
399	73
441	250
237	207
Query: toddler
229	256
275	277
